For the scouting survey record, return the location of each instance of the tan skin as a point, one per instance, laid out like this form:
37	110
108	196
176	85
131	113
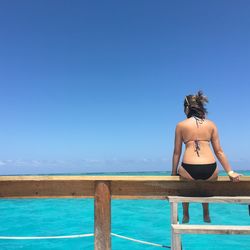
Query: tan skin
206	132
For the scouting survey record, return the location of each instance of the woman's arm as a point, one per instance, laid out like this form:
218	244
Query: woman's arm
177	149
221	155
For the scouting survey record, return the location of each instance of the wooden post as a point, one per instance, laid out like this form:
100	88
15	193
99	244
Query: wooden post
102	215
175	238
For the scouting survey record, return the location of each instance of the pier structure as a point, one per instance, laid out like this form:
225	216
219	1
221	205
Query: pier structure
105	188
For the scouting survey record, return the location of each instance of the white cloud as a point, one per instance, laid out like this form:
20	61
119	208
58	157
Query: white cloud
36	166
2	163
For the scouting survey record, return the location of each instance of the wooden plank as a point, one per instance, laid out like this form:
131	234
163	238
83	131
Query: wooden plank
177	242
210	229
102	216
179	188
212	199
89	178
122	188
174	212
43	189
139	197
175	238
106	178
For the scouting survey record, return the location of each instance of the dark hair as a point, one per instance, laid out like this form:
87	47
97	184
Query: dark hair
196	105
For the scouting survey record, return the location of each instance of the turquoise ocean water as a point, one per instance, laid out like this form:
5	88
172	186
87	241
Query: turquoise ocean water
147	220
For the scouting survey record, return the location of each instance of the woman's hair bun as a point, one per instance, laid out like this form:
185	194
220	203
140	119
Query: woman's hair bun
200	98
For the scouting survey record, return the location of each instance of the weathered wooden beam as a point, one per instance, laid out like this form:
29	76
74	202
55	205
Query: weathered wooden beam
213	199
210	229
122	187
102	215
175	238
104	178
46	189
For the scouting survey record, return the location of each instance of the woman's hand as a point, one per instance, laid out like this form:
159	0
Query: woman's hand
235	177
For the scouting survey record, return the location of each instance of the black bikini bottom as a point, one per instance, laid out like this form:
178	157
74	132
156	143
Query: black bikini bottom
200	171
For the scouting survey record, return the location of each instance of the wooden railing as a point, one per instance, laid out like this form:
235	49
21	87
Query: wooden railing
178	229
105	188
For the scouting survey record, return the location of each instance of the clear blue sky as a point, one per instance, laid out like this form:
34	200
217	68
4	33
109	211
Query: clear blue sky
99	85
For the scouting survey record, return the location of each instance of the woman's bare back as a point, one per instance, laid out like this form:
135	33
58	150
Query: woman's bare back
197	135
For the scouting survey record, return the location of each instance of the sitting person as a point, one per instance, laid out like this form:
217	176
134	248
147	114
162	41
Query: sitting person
198	162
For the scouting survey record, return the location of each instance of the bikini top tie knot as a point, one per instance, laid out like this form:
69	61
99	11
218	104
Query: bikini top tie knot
198	121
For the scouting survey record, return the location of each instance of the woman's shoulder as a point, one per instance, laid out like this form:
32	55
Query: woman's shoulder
210	122
189	121
181	123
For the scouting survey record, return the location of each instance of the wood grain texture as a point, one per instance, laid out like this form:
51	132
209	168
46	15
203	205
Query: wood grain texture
210	229
104	178
213	199
122	187
102	215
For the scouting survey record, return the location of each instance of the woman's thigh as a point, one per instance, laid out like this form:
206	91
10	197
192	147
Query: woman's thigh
184	174
214	176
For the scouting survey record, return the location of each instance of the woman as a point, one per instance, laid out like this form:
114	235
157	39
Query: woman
198	162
